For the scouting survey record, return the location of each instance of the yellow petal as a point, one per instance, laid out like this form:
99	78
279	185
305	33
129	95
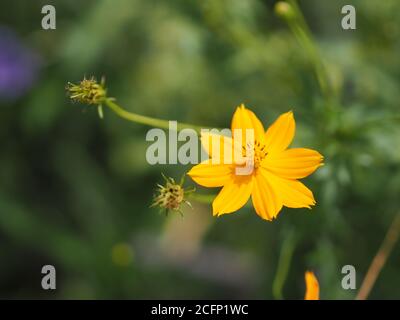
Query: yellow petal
280	134
245	119
312	286
211	175
294	163
220	148
266	201
293	193
233	195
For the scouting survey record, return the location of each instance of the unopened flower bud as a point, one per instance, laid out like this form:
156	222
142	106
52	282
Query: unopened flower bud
284	10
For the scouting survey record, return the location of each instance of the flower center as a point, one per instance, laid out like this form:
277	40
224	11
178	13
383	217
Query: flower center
256	151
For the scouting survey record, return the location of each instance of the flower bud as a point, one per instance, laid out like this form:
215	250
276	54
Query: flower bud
170	196
284	10
88	91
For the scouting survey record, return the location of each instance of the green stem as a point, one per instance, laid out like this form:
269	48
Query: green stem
285	259
202	198
207	198
149	121
303	34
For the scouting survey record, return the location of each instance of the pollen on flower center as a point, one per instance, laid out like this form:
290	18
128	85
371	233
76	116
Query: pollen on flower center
257	152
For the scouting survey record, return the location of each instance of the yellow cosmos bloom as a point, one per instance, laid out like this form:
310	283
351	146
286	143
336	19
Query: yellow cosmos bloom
273	181
312	286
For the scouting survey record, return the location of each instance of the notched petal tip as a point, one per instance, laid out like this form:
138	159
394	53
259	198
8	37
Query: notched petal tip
290	115
321	157
239	108
311	205
190	172
215	212
269	219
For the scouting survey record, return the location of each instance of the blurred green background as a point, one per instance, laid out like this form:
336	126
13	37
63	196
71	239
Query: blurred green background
75	190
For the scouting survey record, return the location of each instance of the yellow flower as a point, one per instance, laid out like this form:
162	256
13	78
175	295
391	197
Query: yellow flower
312	286
273	181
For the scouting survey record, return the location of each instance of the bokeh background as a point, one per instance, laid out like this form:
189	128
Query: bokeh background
75	190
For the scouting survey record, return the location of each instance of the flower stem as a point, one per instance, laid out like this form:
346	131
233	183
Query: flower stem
207	198
285	259
149	121
202	198
301	31
380	258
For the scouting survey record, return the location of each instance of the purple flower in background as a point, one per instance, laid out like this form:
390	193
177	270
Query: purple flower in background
18	66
